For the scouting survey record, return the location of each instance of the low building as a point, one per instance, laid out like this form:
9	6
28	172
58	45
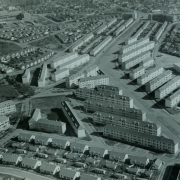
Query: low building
169	87
33	148
89	177
91	161
58	59
151	74
7	107
73	119
60	143
158	81
137	72
127	123
159	143
157	164
53	152
60	74
81	165
43	74
111	165
26	77
11	159
26	137
47	168
61	160
91	105
138	161
119	30
31	163
109	89
4	122
117	156
42	140
36	116
105	97
99	47
72	156
173	100
133	170
78	148
97	151
99	171
93	81
69	174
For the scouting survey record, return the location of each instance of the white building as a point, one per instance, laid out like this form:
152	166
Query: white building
26	77
111	22
128	22
135	60
151	74
4	122
159	81
101	29
160	31
137	51
119	30
99	47
75	62
76	46
91	105
109	89
173	100
43	74
58	59
147	62
176	67
73	119
127	123
130	40
7	107
84	72
91	82
135	73
146	140
105	97
60	74
167	88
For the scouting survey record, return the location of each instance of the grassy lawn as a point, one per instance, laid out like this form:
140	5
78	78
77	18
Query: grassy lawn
6	48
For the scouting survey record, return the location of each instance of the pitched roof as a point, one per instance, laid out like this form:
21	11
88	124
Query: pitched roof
61	142
117	155
77	146
97	150
138	159
89	177
7	157
41	138
50	122
67	172
93	78
29	161
48	167
24	136
158	162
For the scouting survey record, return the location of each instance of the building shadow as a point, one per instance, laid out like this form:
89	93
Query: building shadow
35	77
140	89
133	82
149	96
159	105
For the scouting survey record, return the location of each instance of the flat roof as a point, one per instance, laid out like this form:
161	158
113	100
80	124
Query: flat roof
50	122
93	78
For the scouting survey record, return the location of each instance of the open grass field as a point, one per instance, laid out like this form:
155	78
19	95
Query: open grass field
6	48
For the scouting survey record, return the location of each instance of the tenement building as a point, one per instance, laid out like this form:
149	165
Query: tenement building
159	143
173	100
7	107
111	98
93	105
109	89
128	123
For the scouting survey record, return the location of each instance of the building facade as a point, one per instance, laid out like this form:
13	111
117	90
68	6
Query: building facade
7	107
135	73
146	140
109	89
91	105
43	74
4	122
60	74
127	123
93	81
26	77
173	100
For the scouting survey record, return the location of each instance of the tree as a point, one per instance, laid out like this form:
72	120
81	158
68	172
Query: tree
53	116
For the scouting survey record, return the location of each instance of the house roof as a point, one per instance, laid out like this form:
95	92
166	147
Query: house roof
68	172
52	151
24	136
33	148
133	170
89	177
6	103
61	142
117	155
158	162
137	159
71	155
110	164
50	122
93	78
90	160
29	161
139	134
10	157
97	150
48	167
41	138
77	146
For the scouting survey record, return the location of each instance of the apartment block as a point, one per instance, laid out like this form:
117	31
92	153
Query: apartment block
43	74
92	105
159	81
137	51
128	22
75	62
137	138
176	67
4	122
51	126
127	123
124	101
91	82
160	31
26	77
73	119
173	100
100	46
147	62
135	60
111	22
58	59
151	74
167	88
119	30
101	29
135	73
131	40
134	45
109	89
84	72
60	74
7	107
